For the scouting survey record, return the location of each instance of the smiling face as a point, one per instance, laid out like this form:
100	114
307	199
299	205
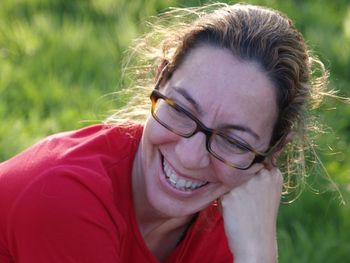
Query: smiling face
175	176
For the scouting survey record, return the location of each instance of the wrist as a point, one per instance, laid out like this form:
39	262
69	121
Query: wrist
264	252
255	258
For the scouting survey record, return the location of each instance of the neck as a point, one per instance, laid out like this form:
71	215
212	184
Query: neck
160	232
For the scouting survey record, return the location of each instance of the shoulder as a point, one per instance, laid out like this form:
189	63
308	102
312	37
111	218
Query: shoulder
72	188
101	139
66	177
84	154
67	211
89	142
91	150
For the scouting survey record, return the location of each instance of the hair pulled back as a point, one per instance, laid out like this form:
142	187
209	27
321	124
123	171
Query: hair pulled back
250	33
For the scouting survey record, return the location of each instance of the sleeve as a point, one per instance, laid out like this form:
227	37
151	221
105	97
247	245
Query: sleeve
66	215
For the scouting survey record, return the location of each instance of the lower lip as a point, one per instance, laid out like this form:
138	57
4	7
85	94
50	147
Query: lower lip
171	189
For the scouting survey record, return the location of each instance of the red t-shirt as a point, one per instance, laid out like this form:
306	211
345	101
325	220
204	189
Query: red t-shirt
69	199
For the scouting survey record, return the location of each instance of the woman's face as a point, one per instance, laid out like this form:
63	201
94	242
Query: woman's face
220	91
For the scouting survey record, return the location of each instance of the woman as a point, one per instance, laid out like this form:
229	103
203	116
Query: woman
198	182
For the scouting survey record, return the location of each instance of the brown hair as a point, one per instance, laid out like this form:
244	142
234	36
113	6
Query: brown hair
251	33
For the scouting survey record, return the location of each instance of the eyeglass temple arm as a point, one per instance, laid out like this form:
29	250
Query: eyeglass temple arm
161	75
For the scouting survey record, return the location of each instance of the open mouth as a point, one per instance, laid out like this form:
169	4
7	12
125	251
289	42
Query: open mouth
179	182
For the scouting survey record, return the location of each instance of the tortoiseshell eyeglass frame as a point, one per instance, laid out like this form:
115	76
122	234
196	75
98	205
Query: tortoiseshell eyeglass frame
258	156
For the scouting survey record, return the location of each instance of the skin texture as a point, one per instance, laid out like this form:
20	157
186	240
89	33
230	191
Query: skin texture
252	234
223	91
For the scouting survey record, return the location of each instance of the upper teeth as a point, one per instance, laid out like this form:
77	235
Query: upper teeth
180	183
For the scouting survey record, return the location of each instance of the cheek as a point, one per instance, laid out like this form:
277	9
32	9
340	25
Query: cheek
231	177
156	134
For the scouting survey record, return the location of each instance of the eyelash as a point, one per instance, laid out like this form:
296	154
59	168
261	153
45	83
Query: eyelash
235	137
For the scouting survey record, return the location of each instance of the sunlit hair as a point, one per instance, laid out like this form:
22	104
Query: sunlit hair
251	33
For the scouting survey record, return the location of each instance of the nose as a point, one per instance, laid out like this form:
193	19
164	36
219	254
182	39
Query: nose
192	152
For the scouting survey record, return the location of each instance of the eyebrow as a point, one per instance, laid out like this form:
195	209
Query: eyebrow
242	128
190	99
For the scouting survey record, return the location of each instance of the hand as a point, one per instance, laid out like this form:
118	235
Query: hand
250	215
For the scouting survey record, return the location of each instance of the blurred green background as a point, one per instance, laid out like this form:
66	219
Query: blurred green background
59	58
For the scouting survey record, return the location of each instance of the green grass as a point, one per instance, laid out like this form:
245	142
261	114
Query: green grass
59	58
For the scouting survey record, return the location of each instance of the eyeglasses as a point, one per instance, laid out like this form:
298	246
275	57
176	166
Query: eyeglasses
231	150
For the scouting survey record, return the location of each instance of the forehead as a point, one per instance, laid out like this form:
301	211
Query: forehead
227	90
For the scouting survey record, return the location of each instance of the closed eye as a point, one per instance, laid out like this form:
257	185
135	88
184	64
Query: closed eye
232	145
